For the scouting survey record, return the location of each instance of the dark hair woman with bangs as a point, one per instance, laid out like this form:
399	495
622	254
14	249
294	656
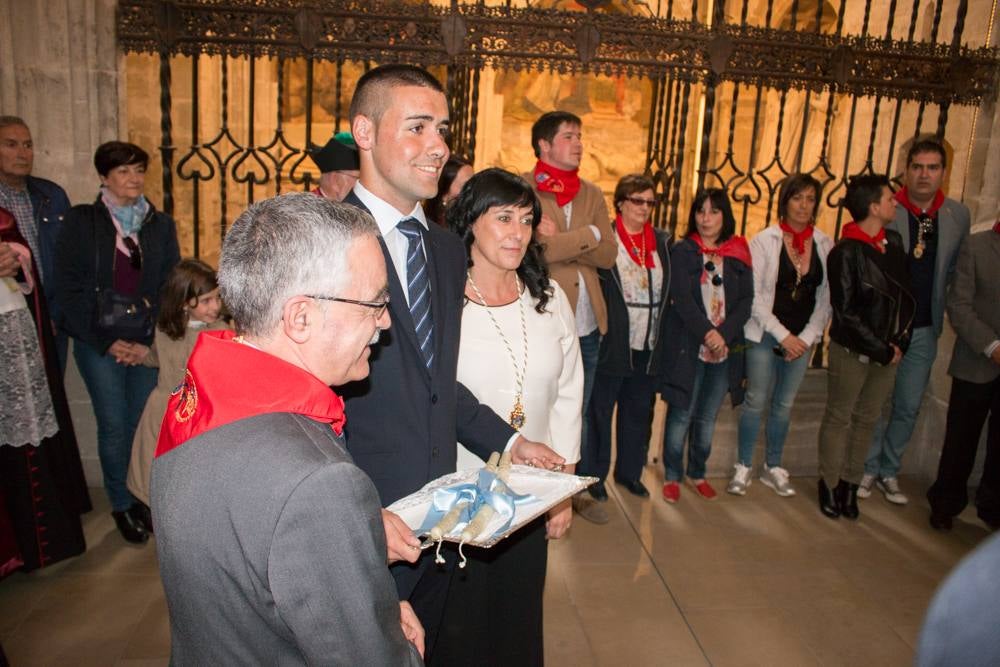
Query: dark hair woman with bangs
711	293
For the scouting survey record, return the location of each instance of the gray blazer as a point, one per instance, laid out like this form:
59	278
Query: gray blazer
272	550
974	307
953	226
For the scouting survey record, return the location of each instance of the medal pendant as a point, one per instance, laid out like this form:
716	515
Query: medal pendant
918	250
517	414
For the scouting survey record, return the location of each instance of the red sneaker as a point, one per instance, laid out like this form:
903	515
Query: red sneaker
671	492
704	489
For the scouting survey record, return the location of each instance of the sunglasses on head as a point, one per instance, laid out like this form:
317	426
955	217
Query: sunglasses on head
710	268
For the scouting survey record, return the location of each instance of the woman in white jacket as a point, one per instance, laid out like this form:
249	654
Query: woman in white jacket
791	307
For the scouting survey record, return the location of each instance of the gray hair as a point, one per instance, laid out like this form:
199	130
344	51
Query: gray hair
6	121
285	246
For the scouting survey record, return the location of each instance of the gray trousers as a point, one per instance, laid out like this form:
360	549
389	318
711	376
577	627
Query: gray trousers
856	392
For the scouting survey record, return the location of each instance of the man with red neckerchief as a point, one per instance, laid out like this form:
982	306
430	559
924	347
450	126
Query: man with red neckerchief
932	227
269	538
575	233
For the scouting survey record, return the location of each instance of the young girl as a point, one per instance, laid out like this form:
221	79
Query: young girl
189	304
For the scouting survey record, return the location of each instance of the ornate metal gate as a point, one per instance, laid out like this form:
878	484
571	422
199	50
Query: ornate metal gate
830	88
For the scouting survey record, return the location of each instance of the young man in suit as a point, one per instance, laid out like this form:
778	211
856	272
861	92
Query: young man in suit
932	227
407	416
974	311
578	240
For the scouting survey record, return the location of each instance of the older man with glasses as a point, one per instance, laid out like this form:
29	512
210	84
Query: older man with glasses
270	539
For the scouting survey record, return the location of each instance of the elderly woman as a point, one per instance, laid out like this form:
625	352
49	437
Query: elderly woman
520	356
118	249
635	291
711	294
791	306
873	311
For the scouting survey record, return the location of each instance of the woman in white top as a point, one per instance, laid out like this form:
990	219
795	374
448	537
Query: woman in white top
791	307
520	355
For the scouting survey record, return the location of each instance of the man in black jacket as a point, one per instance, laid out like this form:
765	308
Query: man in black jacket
872	320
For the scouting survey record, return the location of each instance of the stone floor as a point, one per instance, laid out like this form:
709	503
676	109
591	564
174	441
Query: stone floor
759	580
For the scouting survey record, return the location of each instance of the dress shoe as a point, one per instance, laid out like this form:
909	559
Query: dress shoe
940	522
636	487
130	528
598	492
140	512
826	503
845	495
590	509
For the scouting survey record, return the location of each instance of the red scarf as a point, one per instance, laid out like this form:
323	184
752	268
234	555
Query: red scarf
226	381
996	227
735	247
853	231
798	238
563	184
634	243
903	197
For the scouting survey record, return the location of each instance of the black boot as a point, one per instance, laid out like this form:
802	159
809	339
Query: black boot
140	512
826	503
130	528
846	497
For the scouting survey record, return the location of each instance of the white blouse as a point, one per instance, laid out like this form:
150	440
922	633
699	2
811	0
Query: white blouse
553	384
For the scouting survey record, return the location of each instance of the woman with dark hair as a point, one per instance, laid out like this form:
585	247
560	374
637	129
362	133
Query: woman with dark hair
117	250
456	171
635	291
520	356
189	304
711	293
791	306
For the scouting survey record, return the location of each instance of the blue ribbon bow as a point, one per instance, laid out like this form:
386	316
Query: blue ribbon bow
489	490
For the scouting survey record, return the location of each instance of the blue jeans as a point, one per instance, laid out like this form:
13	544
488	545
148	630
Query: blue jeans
889	441
590	346
118	394
766	372
695	424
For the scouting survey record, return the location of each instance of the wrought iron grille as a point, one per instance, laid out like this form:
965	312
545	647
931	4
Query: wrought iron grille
822	88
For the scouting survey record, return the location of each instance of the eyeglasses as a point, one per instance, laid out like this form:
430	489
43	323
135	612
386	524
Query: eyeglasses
377	307
639	201
710	268
134	256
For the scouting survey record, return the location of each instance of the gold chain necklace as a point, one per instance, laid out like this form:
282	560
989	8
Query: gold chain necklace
517	417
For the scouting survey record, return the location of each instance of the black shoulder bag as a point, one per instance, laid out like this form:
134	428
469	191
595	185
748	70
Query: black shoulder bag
120	315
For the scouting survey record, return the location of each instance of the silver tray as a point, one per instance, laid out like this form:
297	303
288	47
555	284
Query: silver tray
548	488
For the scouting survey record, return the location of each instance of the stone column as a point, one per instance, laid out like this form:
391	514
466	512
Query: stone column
59	72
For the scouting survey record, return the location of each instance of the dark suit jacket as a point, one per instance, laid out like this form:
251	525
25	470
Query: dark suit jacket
403	421
974	307
272	550
687	323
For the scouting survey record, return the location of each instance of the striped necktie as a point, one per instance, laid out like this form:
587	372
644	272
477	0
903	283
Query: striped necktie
418	287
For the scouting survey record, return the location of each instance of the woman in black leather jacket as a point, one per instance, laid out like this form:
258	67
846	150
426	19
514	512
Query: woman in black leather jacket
122	242
872	320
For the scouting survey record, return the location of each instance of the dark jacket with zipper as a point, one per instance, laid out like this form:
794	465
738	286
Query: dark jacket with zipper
687	323
87	241
615	356
870	294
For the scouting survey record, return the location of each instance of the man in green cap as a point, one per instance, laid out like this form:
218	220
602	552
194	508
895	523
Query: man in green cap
338	165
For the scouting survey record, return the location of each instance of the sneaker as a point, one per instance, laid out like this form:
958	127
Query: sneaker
740	481
889	486
777	479
671	492
704	489
590	509
865	487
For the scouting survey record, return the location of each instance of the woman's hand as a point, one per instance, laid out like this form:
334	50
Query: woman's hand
897	354
128	353
794	347
559	519
714	341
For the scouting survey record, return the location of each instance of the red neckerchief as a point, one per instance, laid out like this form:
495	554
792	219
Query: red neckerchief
853	231
634	242
563	184
318	191
996	227
735	247
798	238
903	197
226	381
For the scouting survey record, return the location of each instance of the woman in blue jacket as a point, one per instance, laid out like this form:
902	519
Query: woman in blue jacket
711	294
